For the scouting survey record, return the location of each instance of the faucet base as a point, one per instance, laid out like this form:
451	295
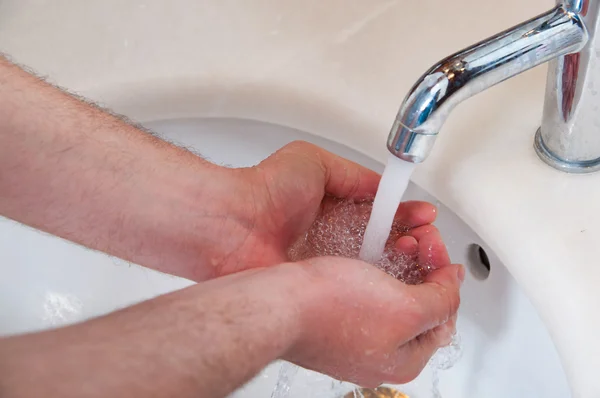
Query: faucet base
550	159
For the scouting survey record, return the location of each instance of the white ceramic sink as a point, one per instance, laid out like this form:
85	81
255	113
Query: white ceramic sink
506	349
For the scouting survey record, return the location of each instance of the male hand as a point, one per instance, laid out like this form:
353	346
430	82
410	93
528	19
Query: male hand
366	327
335	315
282	197
86	176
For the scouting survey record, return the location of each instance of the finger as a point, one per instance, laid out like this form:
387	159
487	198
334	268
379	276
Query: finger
343	178
418	232
411	358
407	245
432	250
418	351
437	298
416	213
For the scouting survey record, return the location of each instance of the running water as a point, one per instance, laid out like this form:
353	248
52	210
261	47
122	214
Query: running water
367	229
445	358
394	182
338	230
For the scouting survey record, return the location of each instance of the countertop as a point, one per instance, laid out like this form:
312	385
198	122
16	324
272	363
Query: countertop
339	69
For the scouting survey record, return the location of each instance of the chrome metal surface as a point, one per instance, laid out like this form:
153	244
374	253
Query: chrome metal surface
556	33
580	167
569	138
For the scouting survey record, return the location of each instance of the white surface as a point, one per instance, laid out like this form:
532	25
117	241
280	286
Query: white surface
339	69
506	349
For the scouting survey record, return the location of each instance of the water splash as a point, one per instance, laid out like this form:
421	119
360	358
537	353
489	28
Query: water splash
61	309
357	393
339	230
285	379
445	358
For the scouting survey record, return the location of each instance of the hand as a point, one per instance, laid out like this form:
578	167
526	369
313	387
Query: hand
288	189
338	316
98	181
366	327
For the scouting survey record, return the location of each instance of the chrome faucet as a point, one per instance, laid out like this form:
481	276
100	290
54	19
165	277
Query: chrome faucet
569	137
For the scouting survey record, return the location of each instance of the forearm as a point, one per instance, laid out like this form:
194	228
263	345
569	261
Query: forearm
203	341
72	170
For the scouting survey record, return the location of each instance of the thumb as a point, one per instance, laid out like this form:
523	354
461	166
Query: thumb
436	300
414	355
438	297
343	178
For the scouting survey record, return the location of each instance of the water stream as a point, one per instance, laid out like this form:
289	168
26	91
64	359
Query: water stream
394	182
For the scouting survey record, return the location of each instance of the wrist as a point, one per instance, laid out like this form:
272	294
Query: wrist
304	301
211	216
282	302
225	204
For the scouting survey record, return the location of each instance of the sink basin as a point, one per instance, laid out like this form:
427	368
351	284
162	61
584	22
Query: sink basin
505	351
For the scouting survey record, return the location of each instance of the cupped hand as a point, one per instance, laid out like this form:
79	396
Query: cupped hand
283	196
366	327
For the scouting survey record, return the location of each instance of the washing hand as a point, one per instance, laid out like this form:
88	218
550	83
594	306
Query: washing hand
107	185
339	316
357	323
87	176
366	327
288	189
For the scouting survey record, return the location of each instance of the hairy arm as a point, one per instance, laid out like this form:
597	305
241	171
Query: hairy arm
342	317
76	171
73	170
203	341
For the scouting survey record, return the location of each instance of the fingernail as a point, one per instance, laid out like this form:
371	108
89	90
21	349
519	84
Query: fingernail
460	273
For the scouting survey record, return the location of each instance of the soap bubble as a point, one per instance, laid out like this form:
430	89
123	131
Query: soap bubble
339	230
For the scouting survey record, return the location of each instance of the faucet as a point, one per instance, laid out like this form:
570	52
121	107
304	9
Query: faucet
568	138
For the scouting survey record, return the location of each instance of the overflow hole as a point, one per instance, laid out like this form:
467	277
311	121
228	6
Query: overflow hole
479	263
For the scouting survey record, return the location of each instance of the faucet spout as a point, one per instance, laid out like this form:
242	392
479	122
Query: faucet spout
474	69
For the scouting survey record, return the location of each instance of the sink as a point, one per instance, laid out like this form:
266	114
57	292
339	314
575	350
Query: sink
505	347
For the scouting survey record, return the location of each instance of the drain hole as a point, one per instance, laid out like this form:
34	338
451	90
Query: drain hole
480	262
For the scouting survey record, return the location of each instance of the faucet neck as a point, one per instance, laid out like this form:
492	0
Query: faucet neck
558	32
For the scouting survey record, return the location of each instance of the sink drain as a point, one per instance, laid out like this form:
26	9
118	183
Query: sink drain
379	392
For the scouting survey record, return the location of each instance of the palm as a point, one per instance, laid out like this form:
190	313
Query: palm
289	190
